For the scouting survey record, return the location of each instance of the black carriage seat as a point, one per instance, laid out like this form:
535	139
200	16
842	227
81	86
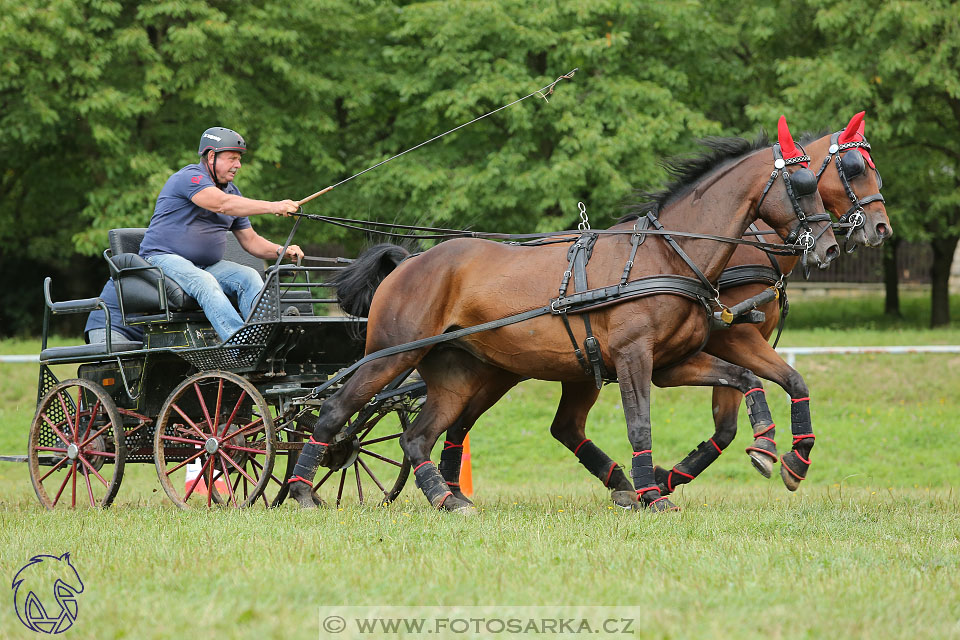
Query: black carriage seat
138	278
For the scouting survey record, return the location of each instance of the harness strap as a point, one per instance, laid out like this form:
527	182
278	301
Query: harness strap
747	274
773	261
573	339
684	286
683	255
590	343
579	254
784	310
635	241
432	340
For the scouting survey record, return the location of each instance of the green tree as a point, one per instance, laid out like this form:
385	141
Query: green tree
601	134
901	62
102	101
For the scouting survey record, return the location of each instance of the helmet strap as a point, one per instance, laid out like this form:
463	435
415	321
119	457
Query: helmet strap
212	170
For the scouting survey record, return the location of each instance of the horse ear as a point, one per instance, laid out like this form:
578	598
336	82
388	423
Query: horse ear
854	127
854	131
787	146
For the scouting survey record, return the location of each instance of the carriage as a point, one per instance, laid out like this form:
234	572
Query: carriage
222	422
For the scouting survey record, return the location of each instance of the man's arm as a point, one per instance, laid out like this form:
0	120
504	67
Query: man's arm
256	245
212	199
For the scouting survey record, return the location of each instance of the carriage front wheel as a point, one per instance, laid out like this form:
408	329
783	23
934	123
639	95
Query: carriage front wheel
76	449
214	442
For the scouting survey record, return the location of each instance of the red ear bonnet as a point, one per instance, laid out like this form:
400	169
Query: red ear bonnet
787	146
854	133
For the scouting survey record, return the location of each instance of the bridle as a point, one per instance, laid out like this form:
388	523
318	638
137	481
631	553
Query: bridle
850	166
804	183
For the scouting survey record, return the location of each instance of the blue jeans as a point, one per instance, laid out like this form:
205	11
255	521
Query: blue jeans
210	285
95	336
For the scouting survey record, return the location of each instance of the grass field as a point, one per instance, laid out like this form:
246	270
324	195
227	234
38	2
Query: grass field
869	547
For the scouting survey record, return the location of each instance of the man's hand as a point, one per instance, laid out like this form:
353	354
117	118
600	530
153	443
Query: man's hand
294	252
284	208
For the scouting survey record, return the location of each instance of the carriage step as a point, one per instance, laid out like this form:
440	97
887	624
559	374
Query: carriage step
13	458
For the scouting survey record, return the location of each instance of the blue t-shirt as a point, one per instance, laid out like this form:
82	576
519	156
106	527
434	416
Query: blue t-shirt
179	226
98	319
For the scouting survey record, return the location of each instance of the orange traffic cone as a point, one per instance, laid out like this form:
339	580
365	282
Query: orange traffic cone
466	473
193	470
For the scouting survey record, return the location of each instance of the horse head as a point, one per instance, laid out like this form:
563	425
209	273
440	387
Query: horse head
850	183
798	214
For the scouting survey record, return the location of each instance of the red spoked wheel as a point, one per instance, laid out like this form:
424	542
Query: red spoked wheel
371	466
214	442
76	449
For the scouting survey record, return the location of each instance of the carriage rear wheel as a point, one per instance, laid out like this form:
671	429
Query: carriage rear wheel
76	449
214	442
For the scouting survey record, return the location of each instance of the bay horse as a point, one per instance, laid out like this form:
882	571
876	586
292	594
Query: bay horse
843	180
469	282
849	184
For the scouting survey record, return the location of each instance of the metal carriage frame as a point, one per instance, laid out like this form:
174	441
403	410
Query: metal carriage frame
182	399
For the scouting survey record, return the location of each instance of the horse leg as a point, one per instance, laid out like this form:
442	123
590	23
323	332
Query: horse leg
362	385
451	456
569	428
493	384
634	373
751	350
706	370
459	389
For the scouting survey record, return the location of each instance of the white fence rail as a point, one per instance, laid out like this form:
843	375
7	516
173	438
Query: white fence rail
790	353
33	358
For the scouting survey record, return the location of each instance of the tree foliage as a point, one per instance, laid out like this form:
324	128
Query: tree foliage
901	62
102	100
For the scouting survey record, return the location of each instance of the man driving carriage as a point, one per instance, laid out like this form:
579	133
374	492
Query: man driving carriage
186	236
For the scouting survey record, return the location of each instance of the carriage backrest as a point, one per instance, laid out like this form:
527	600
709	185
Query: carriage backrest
127	240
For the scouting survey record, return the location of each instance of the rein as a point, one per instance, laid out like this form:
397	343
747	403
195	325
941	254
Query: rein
559	236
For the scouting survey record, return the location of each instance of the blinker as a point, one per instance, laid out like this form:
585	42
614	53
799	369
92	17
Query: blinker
853	164
804	182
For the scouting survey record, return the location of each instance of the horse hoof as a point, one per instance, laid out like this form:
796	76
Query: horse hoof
661	505
467	511
304	496
662	477
459	496
625	499
762	463
456	505
789	480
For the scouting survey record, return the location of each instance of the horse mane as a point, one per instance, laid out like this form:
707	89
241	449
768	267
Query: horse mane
686	171
809	136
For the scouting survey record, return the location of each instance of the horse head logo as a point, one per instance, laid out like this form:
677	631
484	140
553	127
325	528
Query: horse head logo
45	593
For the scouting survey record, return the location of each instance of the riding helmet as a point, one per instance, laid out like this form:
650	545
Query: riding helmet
221	139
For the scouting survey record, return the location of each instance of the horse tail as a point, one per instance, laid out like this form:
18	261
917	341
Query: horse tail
357	283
